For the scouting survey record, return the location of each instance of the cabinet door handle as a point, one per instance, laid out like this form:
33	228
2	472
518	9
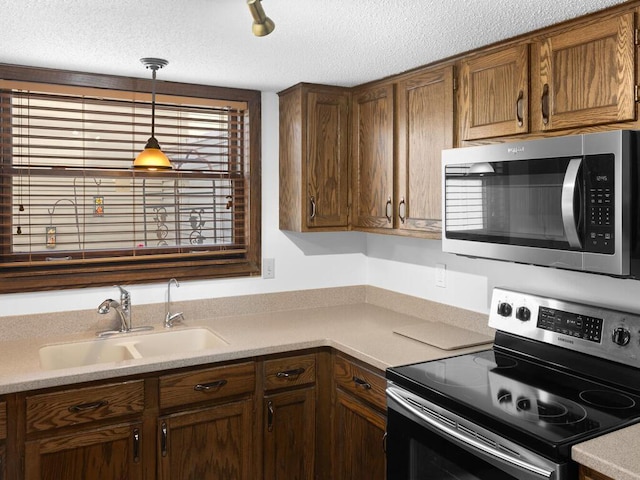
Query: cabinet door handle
85	407
205	387
388	210
163	439
361	383
270	414
290	373
402	210
545	104
519	108
384	442
312	202
136	445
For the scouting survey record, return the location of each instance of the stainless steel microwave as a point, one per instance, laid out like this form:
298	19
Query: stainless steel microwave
567	202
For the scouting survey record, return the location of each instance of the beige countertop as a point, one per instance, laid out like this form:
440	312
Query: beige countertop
362	330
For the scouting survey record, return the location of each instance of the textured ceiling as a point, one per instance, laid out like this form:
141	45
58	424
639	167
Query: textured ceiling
341	42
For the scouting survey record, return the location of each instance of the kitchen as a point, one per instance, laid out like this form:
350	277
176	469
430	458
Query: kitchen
320	260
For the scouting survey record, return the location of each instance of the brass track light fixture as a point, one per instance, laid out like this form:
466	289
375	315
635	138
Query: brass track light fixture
262	25
152	158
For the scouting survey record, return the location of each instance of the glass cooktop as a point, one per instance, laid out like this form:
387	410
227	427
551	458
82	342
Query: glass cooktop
540	402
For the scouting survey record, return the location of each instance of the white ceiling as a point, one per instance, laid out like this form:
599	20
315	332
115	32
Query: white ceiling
341	42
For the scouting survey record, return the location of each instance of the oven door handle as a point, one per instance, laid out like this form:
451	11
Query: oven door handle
569	186
468	440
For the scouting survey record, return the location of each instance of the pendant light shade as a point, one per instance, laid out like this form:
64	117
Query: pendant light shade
152	158
262	25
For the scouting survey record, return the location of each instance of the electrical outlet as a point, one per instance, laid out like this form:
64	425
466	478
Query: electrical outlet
269	268
441	275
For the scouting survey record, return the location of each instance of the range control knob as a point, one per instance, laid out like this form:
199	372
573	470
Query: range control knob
504	309
621	336
523	313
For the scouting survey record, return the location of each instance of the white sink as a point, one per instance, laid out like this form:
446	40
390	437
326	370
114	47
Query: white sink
128	347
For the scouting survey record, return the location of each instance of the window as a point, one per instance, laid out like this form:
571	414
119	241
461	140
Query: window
72	211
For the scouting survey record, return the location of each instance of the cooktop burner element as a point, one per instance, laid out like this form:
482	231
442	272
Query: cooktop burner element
608	399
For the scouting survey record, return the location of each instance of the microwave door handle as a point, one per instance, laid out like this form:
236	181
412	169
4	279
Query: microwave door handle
569	186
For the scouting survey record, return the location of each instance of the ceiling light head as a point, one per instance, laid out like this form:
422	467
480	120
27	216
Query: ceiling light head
262	25
152	158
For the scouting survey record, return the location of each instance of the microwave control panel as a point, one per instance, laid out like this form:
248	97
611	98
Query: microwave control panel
600	206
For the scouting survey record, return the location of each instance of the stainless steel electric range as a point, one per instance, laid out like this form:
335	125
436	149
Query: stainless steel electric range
559	373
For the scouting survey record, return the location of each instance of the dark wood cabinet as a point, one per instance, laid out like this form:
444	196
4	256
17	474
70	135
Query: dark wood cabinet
3	437
589	474
424	112
314	158
289	417
494	93
359	421
372	157
213	443
114	451
585	74
90	432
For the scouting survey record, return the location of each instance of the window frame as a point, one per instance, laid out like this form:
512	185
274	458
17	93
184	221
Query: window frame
153	268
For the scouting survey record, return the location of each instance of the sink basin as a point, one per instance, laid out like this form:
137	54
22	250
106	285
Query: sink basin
127	347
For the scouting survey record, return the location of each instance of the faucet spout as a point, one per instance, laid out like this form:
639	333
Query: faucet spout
170	317
106	306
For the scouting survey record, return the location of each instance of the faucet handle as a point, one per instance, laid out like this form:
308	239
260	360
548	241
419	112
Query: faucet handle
125	297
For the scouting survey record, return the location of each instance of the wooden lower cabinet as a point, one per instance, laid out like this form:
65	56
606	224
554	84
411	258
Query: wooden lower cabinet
588	474
110	452
3	462
359	448
213	443
289	435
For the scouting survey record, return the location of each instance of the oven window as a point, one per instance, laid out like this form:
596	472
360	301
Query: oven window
416	453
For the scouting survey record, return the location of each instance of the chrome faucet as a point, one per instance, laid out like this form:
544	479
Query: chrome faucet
124	312
170	317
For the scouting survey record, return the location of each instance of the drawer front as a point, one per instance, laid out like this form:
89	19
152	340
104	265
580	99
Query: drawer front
207	384
362	383
3	421
84	405
289	372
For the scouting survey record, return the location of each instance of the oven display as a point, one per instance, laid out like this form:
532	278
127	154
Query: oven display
572	324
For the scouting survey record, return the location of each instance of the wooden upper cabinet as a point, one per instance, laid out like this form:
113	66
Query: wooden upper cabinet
372	157
425	126
314	158
494	94
586	75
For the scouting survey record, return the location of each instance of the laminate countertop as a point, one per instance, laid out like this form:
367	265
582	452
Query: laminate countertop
362	330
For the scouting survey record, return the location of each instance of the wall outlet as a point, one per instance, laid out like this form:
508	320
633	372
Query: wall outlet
268	268
441	275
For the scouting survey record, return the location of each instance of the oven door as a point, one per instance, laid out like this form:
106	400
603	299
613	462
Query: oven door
425	442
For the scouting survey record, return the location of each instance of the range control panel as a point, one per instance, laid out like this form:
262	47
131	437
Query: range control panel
595	330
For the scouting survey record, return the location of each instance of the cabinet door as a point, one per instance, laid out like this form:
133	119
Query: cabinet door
209	444
359	440
112	452
3	462
372	158
494	94
425	127
588	474
586	75
327	168
289	435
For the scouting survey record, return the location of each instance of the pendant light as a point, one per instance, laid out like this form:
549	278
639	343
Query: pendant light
152	158
262	25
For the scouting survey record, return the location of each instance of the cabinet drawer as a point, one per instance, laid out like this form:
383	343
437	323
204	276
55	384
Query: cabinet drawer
84	405
206	384
289	372
3	421
361	382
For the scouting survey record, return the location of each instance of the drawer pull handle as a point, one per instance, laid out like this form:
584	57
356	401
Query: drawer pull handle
361	383
290	373
270	414
85	407
163	439
205	387
136	445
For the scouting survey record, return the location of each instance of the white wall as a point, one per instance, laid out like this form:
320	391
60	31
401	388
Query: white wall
305	261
